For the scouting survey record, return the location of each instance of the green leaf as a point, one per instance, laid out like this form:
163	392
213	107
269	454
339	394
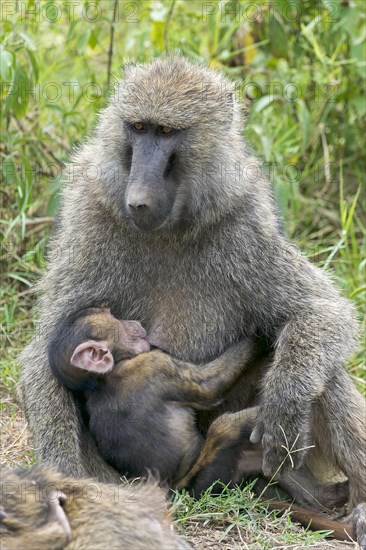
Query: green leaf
82	41
305	122
55	107
30	45
6	65
348	22
34	65
93	40
10	98
359	104
55	197
264	101
27	173
52	10
278	38
358	291
157	34
20	91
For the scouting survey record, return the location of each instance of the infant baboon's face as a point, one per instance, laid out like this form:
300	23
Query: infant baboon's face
106	341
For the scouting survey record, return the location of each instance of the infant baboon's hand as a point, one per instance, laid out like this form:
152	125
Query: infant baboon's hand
284	439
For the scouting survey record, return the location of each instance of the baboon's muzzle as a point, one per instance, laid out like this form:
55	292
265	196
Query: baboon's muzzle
151	191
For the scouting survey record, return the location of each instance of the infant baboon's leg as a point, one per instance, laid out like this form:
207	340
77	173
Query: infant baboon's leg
227	436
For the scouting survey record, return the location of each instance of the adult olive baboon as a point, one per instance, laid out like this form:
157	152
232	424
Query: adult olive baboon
41	509
141	409
168	219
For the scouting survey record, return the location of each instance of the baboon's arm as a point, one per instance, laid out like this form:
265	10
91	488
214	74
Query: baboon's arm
314	338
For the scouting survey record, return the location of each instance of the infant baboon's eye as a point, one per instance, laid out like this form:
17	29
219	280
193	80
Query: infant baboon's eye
165	129
138	126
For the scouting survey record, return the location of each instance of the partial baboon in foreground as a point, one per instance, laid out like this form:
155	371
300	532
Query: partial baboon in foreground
168	219
141	410
43	510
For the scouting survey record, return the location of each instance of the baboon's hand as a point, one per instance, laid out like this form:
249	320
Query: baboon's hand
284	442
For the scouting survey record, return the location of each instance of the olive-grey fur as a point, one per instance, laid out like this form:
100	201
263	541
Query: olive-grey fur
227	272
128	516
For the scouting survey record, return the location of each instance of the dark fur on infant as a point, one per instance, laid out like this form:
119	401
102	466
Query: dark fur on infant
140	403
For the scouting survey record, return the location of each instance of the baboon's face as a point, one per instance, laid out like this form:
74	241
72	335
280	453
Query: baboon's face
125	338
152	161
166	129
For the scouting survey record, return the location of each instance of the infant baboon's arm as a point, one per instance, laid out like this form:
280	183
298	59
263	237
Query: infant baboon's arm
200	386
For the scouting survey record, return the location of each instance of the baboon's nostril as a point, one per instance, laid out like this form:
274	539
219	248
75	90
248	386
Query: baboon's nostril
137	204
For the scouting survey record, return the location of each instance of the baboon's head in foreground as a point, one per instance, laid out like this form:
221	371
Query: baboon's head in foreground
167	145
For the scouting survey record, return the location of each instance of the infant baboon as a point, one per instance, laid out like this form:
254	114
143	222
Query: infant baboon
43	510
141	410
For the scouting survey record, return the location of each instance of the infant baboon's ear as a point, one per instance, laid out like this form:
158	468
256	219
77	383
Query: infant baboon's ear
93	356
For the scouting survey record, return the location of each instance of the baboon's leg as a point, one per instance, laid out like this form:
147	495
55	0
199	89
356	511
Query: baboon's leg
306	490
340	432
227	436
358	518
227	455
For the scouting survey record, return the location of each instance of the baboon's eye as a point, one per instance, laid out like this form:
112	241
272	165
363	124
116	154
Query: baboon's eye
165	129
138	126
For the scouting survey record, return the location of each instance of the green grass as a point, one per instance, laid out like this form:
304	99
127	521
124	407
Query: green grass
237	513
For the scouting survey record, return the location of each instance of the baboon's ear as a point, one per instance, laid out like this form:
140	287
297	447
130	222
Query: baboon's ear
93	356
55	501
